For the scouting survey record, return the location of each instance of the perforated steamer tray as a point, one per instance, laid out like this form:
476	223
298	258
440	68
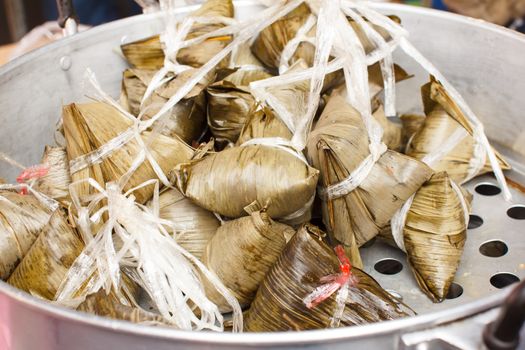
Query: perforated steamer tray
493	258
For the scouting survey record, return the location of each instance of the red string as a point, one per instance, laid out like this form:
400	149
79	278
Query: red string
332	283
31	173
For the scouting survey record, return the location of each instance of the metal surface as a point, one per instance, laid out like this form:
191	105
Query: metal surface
484	61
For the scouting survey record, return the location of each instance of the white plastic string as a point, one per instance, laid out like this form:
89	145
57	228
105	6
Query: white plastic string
478	130
446	147
292	45
353	180
397	223
4	157
324	39
168	273
387	65
279	143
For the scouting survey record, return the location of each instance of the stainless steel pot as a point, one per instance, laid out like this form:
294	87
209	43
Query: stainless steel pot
484	61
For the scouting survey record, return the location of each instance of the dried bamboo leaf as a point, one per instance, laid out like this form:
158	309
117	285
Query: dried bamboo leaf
89	126
443	118
241	253
47	262
228	181
191	225
271	41
411	123
392	132
243	56
22	218
148	53
55	183
105	305
434	235
229	103
263	123
357	217
279	303
145	53
187	119
375	78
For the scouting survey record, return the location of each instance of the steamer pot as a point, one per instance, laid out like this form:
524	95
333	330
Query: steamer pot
484	61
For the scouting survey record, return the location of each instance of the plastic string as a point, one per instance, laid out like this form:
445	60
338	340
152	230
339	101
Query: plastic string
169	274
387	64
292	45
339	283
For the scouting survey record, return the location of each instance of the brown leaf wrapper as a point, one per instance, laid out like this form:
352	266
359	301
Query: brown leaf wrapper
47	262
229	103
89	126
191	225
279	303
55	183
392	132
263	123
294	96
443	118
357	217
411	123
22	218
228	181
241	253
434	235
187	119
148	53
271	41
105	305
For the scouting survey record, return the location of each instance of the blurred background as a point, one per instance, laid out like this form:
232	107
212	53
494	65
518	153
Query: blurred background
19	17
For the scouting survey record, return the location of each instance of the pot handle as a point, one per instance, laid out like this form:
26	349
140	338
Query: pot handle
67	17
504	332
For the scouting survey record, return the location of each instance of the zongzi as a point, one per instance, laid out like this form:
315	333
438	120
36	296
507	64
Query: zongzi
55	183
468	159
187	119
191	226
22	218
263	123
230	99
228	181
47	262
148	53
304	264
102	304
241	253
89	126
434	234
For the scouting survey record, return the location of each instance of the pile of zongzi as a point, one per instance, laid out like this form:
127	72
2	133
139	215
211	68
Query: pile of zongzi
194	192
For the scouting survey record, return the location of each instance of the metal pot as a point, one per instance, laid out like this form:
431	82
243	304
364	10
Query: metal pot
484	61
